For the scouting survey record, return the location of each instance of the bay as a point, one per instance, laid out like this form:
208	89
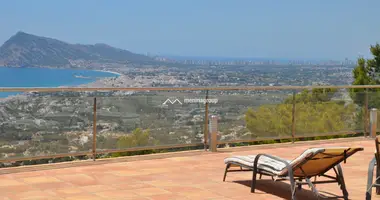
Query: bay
44	77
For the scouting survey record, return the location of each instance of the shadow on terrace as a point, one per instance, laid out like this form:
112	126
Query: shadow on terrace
53	125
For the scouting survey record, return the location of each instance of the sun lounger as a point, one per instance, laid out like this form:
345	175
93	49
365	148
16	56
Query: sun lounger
375	162
313	162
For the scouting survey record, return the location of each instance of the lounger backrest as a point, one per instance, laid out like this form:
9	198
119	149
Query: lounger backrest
377	153
316	161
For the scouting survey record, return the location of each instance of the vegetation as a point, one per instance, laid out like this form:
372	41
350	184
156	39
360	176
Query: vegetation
138	138
367	73
315	112
315	95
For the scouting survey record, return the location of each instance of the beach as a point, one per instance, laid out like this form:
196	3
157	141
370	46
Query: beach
111	72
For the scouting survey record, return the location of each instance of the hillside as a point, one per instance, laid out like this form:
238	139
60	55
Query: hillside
25	49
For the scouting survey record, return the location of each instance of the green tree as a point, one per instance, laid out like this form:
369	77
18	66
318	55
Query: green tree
367	73
269	120
315	113
137	138
315	95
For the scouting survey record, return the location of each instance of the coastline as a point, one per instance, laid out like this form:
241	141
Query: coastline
94	81
101	82
69	68
107	71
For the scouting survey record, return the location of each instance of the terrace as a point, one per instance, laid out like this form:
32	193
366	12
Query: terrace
184	175
65	124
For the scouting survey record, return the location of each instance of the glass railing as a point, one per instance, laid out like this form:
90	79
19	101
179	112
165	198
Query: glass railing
149	119
253	115
56	123
323	113
45	125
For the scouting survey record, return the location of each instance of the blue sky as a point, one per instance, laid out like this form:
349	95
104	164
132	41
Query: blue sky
294	29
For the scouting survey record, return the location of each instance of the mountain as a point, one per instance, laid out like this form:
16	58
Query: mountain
24	49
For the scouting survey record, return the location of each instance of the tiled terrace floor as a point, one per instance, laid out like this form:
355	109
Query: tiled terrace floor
180	177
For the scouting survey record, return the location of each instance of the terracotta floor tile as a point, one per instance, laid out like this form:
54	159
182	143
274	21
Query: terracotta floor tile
67	191
10	182
150	191
36	194
167	196
85	197
131	186
129	172
28	174
53	185
40	179
96	188
109	179
78	179
117	194
41	198
13	189
162	183
182	190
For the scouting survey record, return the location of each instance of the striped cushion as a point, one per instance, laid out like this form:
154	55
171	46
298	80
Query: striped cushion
264	163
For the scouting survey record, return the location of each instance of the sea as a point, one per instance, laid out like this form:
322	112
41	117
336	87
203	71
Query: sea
44	77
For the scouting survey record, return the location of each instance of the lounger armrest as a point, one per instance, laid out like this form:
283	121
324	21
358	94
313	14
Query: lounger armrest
288	167
272	157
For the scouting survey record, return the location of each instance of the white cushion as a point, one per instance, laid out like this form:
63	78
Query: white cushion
264	163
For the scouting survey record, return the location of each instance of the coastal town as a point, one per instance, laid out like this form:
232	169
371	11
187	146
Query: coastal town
204	75
41	123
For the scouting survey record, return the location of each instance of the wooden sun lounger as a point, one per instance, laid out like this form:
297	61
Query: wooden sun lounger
375	162
313	162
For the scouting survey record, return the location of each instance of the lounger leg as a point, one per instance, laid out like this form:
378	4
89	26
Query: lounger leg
377	180
254	173
312	186
342	183
293	185
225	172
299	186
253	183
370	179
293	188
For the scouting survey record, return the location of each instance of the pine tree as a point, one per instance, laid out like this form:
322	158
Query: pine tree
367	73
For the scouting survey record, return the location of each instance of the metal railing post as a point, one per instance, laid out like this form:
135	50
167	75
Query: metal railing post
294	117
94	132
213	133
206	123
373	122
365	120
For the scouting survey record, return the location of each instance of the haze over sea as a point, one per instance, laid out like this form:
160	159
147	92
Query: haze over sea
43	77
